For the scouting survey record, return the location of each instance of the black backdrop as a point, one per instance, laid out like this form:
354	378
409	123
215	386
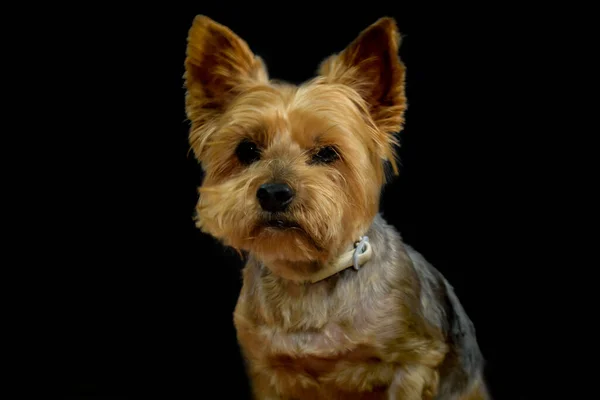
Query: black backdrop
142	302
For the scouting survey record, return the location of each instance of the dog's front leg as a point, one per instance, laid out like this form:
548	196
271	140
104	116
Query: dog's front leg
416	382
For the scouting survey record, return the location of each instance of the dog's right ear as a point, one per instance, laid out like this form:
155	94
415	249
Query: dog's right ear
218	65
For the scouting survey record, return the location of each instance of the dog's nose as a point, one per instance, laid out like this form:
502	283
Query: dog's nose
274	197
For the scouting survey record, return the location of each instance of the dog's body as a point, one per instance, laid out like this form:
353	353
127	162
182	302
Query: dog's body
344	336
293	177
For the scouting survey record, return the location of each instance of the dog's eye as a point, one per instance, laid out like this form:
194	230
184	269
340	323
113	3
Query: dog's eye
325	155
247	152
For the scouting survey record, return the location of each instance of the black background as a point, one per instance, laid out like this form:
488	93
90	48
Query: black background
141	302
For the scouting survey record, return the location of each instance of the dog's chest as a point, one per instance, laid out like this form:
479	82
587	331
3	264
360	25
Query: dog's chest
325	342
320	366
327	361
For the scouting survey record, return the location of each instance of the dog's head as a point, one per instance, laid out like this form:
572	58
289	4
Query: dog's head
293	173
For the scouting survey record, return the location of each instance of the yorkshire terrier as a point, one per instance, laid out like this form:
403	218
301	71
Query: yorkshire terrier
333	305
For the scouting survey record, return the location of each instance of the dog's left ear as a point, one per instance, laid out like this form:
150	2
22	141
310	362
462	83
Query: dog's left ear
372	67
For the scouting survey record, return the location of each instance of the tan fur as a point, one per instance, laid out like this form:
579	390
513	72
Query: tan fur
359	335
477	392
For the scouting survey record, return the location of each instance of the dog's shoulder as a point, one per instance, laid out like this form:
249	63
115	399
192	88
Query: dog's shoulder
443	308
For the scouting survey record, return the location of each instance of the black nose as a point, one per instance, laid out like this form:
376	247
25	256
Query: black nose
274	197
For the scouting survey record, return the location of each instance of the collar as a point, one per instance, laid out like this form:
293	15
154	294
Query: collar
355	258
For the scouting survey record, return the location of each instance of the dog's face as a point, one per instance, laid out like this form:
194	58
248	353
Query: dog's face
292	172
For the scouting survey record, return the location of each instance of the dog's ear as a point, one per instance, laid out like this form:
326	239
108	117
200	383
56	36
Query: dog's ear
371	66
218	65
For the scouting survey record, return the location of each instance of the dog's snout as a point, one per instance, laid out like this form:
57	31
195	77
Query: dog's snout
274	197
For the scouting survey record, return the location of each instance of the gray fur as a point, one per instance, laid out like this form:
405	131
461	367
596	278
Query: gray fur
442	308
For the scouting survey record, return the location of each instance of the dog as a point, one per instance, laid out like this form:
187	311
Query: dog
333	304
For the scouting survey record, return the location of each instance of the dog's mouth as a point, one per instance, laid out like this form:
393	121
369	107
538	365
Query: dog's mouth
277	222
280	223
